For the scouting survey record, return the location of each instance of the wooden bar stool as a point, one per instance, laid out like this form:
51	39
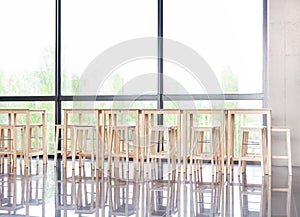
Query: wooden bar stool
252	147
288	156
205	145
122	148
8	149
65	151
162	146
123	196
36	146
162	199
84	145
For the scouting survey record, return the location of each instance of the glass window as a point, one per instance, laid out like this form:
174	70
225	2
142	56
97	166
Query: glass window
27	47
226	34
91	27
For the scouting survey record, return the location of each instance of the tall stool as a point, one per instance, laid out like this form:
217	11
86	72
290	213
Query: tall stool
205	145
84	145
252	147
8	147
36	146
65	151
288	157
161	189
122	147
161	145
123	196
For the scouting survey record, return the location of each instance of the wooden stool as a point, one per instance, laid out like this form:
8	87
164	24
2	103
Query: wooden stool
84	145
162	145
288	157
8	139
123	191
162	199
205	145
254	149
65	151
122	147
36	146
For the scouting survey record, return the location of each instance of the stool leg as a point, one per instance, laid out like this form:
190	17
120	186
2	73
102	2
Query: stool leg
288	142
263	151
15	149
74	147
9	146
191	152
243	151
2	147
22	155
110	146
56	145
37	158
200	150
240	157
212	134
84	146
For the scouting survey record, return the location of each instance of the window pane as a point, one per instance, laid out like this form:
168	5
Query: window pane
27	47
227	34
91	27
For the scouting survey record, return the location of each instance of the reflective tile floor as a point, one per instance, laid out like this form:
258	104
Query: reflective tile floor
49	191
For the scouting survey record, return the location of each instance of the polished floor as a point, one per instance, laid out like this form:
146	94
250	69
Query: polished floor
49	191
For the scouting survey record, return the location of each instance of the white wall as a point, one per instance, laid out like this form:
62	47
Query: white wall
284	69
